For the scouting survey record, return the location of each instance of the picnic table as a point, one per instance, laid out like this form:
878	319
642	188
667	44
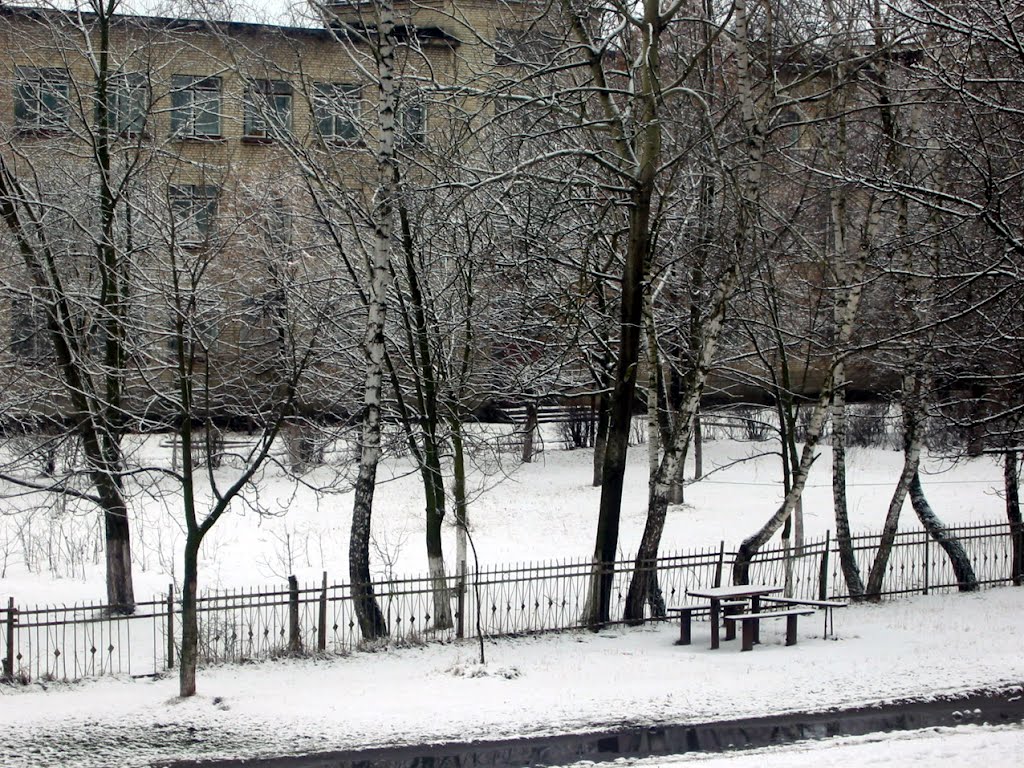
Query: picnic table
738	595
742	604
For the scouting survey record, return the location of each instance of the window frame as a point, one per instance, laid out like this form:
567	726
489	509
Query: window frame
327	97
265	120
202	328
199	203
32	87
191	99
412	103
128	103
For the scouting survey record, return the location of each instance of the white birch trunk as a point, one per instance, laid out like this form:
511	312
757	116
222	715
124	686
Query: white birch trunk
673	458
846	317
368	612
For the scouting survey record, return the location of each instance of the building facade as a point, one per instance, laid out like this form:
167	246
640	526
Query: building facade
197	189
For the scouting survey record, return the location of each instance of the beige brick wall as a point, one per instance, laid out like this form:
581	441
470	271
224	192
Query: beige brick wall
252	176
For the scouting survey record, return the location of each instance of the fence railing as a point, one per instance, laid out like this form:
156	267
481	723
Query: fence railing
87	640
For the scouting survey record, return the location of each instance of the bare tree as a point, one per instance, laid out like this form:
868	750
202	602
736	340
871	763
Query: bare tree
69	166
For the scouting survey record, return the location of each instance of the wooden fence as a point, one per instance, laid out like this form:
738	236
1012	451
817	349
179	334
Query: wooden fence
86	640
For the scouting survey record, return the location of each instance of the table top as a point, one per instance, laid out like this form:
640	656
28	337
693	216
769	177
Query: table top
735	590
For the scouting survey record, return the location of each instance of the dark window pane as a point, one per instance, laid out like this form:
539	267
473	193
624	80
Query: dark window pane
195	106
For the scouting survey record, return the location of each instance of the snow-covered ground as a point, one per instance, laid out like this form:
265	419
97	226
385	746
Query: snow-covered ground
965	747
919	647
546	510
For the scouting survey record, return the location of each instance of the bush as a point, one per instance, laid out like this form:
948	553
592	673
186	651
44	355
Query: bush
868	426
577	428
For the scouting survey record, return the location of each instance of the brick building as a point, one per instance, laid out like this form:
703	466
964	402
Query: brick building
195	170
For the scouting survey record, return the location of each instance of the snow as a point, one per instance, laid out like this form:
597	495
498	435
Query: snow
918	647
542	511
921	647
967	747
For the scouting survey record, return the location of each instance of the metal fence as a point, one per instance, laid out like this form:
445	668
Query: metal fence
87	640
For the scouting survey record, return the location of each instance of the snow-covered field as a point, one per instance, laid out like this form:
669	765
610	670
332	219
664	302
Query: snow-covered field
546	510
917	647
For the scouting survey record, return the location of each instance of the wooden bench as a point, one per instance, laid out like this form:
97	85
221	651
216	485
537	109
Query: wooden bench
687	612
828	605
752	620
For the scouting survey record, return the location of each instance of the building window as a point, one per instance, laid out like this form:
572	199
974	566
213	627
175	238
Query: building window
41	99
268	109
195	107
129	103
198	330
411	126
194	209
336	109
278	225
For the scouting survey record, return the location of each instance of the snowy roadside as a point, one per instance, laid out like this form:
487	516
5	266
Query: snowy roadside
915	648
969	746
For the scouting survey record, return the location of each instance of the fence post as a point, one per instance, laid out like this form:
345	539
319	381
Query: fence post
460	607
720	564
12	612
926	558
170	626
321	635
823	573
294	641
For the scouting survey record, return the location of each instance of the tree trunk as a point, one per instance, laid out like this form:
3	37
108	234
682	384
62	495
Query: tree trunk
364	601
653	433
643	587
189	618
597	613
912	444
459	493
1011	484
752	545
120	592
847	558
644	584
601	437
637	149
698	447
434	482
958	558
529	432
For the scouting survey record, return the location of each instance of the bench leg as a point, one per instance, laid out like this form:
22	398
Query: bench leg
730	626
716	618
791	629
684	628
749	632
755	607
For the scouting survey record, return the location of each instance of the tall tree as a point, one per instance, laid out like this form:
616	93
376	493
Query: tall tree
66	177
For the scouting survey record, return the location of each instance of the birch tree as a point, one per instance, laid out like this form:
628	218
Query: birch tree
371	620
68	168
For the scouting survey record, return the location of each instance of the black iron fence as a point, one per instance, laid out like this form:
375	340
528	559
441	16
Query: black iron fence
87	640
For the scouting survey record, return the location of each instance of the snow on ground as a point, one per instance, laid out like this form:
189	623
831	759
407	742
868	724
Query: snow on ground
919	647
536	685
966	747
546	510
